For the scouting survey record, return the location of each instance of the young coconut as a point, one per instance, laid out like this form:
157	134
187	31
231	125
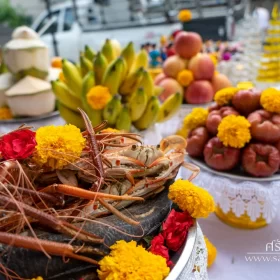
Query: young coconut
6	81
30	97
26	54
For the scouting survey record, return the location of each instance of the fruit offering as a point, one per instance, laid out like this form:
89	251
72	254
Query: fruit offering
190	72
241	131
113	84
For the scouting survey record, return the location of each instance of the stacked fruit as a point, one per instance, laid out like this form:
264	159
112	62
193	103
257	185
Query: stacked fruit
190	72
241	131
112	85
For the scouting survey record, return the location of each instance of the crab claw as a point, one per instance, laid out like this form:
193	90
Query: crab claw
173	142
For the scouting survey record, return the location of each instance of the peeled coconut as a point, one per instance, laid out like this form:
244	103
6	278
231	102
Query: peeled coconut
30	97
26	54
6	81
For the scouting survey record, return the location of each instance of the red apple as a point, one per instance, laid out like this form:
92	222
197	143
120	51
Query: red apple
170	86
219	157
187	44
202	67
199	92
173	65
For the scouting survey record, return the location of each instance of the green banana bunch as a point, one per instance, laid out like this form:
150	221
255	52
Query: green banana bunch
124	120
73	77
170	107
89	53
147	84
71	116
113	75
100	64
137	104
108	51
112	110
86	65
141	60
132	82
65	97
150	114
128	53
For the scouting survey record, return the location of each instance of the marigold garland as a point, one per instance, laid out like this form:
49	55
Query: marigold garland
211	250
225	95
127	261
58	145
196	118
234	131
185	15
98	97
185	77
191	198
270	100
5	113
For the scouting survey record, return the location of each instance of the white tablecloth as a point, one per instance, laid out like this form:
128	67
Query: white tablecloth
233	245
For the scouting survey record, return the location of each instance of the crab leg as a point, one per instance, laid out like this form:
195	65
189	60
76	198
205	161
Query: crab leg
51	247
193	168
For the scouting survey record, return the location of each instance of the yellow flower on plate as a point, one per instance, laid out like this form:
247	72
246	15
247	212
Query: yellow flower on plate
270	100
211	250
58	145
245	85
5	113
196	118
109	130
185	15
225	95
98	97
185	77
195	200
127	261
234	131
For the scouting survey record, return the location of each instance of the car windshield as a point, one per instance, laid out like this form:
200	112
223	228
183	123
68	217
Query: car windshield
45	21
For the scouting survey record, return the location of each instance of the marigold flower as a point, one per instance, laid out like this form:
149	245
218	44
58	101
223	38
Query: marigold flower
185	77
234	131
270	100
58	145
211	250
109	130
182	132
214	58
98	97
127	261
245	85
5	113
185	15
191	198
196	118
225	95
38	278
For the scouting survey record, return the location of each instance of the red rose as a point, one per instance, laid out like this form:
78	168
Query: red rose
175	229
158	248
19	144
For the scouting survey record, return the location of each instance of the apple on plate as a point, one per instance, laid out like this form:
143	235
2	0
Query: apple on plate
169	86
173	65
199	92
202	67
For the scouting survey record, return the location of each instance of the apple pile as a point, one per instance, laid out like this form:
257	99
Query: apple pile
204	81
260	156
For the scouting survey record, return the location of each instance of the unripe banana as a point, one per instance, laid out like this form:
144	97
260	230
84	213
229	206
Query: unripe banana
147	84
137	104
113	75
73	77
112	110
128	53
89	53
124	69
70	116
141	60
150	114
132	81
124	120
108	51
86	65
100	64
170	107
65	97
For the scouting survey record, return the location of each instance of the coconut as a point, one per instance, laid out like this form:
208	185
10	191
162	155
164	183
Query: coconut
6	81
26	54
30	97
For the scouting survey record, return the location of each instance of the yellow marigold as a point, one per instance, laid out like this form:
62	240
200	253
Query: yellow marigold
185	15
245	85
38	278
234	131
214	58
191	198
5	113
211	250
98	97
270	100
58	145
127	261
182	132
109	130
196	118
225	95
185	77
